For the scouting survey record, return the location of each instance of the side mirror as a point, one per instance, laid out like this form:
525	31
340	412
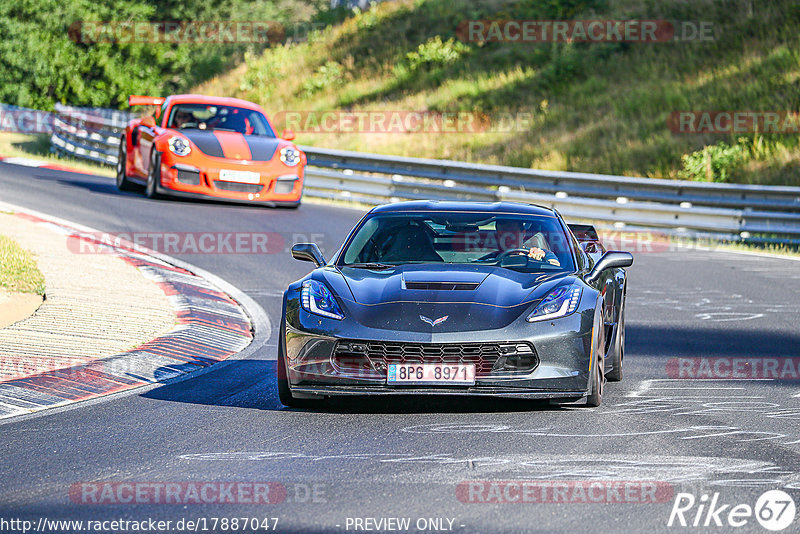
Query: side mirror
610	260
288	135
149	121
308	252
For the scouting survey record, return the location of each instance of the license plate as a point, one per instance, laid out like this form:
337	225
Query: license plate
244	177
431	373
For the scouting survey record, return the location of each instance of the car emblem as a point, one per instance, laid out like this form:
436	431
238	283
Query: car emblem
432	322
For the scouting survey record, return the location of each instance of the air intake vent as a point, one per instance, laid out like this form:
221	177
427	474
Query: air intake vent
442	286
236	186
189	177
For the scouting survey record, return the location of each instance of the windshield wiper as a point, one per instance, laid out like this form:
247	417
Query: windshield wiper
371	266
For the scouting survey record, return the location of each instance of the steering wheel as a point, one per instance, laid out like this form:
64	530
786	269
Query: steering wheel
506	253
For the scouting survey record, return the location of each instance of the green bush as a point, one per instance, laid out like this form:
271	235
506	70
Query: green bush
435	52
327	75
713	163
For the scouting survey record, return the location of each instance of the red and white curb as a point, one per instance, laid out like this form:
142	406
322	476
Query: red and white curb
212	327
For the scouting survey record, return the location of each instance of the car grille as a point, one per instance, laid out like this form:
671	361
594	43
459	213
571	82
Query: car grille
506	357
236	186
189	177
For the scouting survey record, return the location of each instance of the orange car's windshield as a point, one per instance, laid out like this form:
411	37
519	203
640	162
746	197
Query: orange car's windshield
216	117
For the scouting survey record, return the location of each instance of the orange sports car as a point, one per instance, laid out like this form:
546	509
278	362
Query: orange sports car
210	147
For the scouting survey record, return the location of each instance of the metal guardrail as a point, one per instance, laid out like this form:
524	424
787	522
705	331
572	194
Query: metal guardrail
724	211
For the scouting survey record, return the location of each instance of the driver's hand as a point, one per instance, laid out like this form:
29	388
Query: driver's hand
536	253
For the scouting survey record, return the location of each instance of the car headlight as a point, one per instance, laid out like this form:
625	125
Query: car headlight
179	146
290	156
316	298
560	302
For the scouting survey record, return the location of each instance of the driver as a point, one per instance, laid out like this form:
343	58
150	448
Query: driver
182	117
510	235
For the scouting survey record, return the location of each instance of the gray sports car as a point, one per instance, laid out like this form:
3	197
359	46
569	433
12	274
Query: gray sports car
456	298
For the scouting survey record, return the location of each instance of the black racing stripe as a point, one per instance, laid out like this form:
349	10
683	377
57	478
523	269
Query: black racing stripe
262	148
207	142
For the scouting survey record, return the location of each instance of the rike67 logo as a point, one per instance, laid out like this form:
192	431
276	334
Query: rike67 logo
774	510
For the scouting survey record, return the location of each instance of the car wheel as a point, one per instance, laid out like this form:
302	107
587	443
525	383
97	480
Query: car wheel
123	184
595	398
284	392
153	175
615	375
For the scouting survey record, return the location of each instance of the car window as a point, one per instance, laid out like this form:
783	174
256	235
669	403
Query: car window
222	118
524	243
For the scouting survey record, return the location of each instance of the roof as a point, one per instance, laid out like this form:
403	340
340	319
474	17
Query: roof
451	205
219	100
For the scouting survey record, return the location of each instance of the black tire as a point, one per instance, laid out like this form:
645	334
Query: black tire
123	183
282	378
595	398
153	175
618	352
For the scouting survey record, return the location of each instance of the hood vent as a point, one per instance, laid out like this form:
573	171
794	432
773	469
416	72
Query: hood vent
441	286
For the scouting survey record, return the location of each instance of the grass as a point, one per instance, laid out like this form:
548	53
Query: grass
18	271
767	248
37	146
594	107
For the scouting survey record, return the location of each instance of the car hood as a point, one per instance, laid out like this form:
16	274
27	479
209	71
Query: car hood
471	297
233	145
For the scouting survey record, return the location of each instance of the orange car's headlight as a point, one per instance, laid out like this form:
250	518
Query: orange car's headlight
290	156
179	146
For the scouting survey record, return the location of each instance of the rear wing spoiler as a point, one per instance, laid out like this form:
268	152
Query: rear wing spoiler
139	100
584	232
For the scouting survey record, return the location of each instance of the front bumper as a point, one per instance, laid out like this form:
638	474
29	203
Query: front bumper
563	347
276	186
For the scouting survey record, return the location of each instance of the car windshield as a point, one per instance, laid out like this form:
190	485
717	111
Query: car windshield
525	243
215	117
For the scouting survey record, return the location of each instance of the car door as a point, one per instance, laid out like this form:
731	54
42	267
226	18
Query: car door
146	134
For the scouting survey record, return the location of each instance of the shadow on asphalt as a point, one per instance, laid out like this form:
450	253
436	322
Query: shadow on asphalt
110	188
250	384
723	340
106	188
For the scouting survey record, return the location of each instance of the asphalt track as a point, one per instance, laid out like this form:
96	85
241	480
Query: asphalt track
368	458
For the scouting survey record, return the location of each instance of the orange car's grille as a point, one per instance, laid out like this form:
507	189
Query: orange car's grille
517	356
240	188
